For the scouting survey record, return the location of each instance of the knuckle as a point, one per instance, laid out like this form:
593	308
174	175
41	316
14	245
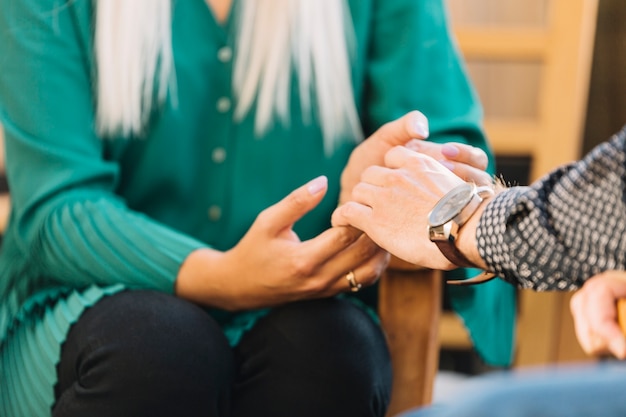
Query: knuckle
314	287
395	177
345	236
302	267
358	190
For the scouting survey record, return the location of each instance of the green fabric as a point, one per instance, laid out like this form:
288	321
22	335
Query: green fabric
93	216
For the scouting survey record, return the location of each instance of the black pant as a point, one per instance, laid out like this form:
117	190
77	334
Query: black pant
144	353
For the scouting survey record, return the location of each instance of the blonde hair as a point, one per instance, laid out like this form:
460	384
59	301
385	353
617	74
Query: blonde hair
314	37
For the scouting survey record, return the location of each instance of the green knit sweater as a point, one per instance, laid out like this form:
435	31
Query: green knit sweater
91	217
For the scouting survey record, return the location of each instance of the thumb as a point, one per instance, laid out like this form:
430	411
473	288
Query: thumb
400	131
294	206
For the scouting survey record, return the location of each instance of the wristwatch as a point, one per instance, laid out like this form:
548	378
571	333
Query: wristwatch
450	214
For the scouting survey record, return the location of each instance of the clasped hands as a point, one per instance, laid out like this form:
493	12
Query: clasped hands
270	265
399	182
390	183
390	203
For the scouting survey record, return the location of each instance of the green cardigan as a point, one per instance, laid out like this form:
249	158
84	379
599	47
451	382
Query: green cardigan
91	217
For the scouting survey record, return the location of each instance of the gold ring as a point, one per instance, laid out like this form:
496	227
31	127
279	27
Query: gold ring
354	286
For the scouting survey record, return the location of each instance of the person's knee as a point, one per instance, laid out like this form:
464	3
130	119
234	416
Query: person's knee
158	328
327	346
151	343
332	329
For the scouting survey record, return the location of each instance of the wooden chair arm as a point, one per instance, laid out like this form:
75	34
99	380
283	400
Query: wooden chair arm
410	308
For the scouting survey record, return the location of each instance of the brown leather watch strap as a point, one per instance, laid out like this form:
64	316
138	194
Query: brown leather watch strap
449	250
478	279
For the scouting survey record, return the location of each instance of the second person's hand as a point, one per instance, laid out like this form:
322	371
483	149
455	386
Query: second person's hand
413	125
391	205
595	314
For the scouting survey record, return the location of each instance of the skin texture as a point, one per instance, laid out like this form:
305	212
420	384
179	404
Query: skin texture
595	314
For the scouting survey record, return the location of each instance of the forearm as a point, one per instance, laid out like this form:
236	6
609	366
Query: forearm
84	238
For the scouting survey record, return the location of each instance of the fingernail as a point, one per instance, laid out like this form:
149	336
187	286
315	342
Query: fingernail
449	150
316	185
447	164
421	126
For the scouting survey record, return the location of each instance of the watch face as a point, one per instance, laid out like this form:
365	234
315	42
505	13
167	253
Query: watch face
451	205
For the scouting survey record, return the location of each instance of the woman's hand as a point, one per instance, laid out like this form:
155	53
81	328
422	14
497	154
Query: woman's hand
467	162
272	266
595	314
391	205
413	125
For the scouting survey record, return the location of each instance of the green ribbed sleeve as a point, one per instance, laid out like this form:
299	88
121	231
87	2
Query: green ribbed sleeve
66	214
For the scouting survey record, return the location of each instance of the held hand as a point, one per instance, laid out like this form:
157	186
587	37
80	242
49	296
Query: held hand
466	161
595	314
272	266
391	205
413	125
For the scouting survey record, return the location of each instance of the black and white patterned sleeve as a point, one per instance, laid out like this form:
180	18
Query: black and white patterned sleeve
564	228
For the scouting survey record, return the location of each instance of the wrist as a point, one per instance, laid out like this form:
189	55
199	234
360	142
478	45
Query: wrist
450	216
466	240
198	278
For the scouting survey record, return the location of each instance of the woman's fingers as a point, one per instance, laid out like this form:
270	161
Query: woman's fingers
282	215
452	151
468	173
352	214
364	275
357	267
423	170
466	154
329	243
413	125
465	161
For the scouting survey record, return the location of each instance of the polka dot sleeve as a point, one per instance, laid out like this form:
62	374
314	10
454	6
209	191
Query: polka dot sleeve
564	228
